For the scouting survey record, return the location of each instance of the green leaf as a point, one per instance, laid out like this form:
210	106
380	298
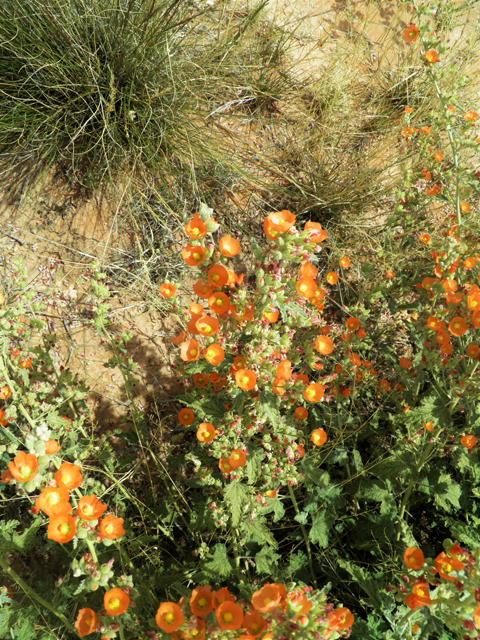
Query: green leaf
208	407
269	407
374	589
236	495
220	565
237	405
446	492
371	490
301	517
321	525
276	506
258	532
266	559
254	465
357	460
10	540
297	561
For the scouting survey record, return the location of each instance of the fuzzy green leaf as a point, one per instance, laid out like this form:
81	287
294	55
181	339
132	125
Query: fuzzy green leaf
236	495
269	407
220	565
258	532
321	525
266	559
446	492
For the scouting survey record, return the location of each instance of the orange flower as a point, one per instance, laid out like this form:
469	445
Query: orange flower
3	421
434	324
6	476
425	130
49	497
195	228
324	345
271	316
438	156
453	298
277	386
68	476
468	442
458	327
267	598
332	277
86	622
431	56
193	255
299	601
475	319
446	565
5	393
253	621
306	287
476	615
203	289
413	601
239	363
408	109
24	466
427	283
318	437
442	338
222	595
472	350
217	275
271	494
237	459
61	529
51	447
470	116
229	616
192	325
449	285
433	191
301	378
284	370
405	363
196	309
200	379
425	238
389	274
280	221
205	433
190	350
300	450
406	132
428	425
214	354
473	300
186	416
341	618
218	302
318	234
246	314
169	617
224	465
301	413
410	34
111	527
115	602
228	246
308	270
179	338
344	262
352	324
207	325
384	385
313	392
194	631
245	379
25	364
469	263
90	508
167	290
201	600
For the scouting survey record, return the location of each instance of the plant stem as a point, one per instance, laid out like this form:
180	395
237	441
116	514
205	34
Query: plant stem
406	495
305	535
91	547
237	557
32	594
122	636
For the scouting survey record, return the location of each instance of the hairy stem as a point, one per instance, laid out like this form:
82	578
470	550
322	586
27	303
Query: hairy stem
305	536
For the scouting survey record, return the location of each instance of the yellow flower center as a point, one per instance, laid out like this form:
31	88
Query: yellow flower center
215	277
87	509
109	528
52	498
420	592
206	434
255	628
303	287
193	352
194	633
274	233
65	478
203	602
236	455
310	393
114	603
447	567
219	302
211	353
88	621
473	304
65	528
195	232
244	380
197	256
168	618
282	221
267	601
207	329
227	617
25	471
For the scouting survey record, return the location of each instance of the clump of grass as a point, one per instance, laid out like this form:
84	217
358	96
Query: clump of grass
102	86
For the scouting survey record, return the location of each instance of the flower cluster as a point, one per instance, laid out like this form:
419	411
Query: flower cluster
448	584
273	613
